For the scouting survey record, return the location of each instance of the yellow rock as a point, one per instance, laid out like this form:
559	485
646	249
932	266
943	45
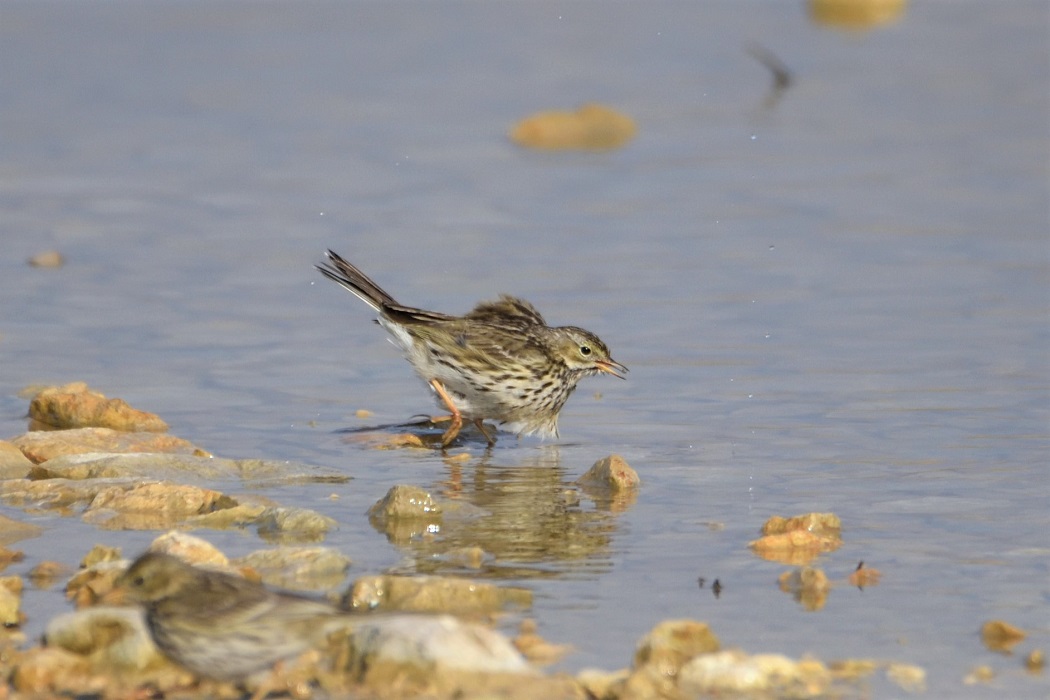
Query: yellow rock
856	14
1001	636
48	258
11	600
40	446
593	127
979	675
819	523
672	643
612	472
76	406
433	594
800	539
910	678
733	674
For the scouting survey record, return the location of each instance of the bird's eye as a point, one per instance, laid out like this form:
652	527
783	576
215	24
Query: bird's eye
585	350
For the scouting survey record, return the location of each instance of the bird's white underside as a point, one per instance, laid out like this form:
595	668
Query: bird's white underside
470	402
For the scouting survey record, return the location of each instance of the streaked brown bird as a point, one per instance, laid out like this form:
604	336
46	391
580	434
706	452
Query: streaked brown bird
500	362
220	626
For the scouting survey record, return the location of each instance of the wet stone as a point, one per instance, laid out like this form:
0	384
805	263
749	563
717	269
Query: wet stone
40	446
116	644
88	586
612	473
428	644
798	540
433	594
856	14
101	553
47	259
289	525
11	600
907	676
592	127
57	493
673	642
179	467
190	548
299	568
827	524
734	672
404	501
14	530
152	506
239	516
535	648
76	406
48	671
10	556
998	635
47	573
13	464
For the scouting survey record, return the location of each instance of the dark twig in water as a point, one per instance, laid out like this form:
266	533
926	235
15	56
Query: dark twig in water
782	77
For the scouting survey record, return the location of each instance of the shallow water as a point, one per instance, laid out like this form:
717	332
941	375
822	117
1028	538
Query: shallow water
836	301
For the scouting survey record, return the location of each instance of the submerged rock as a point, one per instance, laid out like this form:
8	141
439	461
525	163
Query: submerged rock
155	506
13	464
592	127
14	530
94	465
433	594
907	676
808	585
856	14
278	524
40	446
998	635
48	259
299	568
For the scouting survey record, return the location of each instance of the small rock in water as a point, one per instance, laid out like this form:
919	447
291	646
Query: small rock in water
40	446
671	643
998	635
76	406
48	258
593	127
435	594
404	501
613	473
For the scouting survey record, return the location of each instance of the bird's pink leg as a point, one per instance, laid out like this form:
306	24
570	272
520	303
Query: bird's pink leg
457	419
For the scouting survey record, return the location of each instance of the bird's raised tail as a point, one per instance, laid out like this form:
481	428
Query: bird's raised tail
346	275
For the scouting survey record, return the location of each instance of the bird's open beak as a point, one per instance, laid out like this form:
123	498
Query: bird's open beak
612	367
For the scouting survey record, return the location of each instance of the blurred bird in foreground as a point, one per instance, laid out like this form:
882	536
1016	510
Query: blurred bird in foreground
500	362
220	626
